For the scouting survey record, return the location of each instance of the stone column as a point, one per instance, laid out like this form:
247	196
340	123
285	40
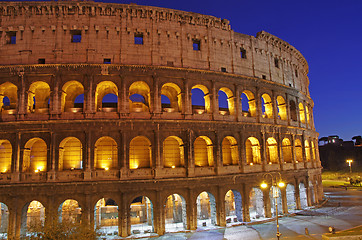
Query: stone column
275	107
156	164
21	97
156	98
237	104
191	212
159	215
18	224
52	160
267	205
280	151
246	203
217	155
220	208
88	163
294	155
242	152
16	159
284	200
12	222
87	211
263	150
297	194
214	100
303	151
187	99
124	218
287	105
190	154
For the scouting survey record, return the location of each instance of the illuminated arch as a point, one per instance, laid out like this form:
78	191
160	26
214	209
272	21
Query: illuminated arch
203	152
230	100
290	196
206	209
298	150
70	211
70	154
105	215
301	113
140	155
175	213
4	220
70	91
256	204
104	88
139	88
173	152
6	152
307	114
272	150
248	104
9	92
173	93
38	97
282	108
141	212
105	153
267	106
313	150
35	156
287	151
230	153
233	206
33	216
200	104
252	148
307	150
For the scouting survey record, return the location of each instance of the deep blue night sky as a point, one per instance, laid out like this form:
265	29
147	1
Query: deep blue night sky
327	32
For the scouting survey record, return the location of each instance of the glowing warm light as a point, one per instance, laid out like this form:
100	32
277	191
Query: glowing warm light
106	168
251	164
4	171
263	185
72	168
349	161
270	163
200	111
296	161
173	166
281	184
37	170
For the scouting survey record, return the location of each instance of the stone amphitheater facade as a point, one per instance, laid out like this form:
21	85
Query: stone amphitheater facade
53	148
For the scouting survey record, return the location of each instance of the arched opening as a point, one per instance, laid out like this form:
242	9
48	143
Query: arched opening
70	154
267	106
103	102
4	221
272	151
206	210
175	213
6	152
171	100
233	207
307	114
252	149
200	99
35	156
230	153
293	110
282	108
290	192
248	104
313	150
32	219
307	150
226	101
106	154
301	113
8	98
72	94
287	151
298	150
106	217
173	152
256	207
140	153
312	193
141	214
303	196
70	211
275	197
38	97
203	152
139	97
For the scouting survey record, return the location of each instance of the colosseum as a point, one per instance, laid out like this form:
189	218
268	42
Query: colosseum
143	120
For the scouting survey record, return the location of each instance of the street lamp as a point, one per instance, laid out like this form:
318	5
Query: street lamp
276	181
350	161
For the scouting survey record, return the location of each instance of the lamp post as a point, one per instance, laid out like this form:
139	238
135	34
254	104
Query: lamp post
276	181
350	161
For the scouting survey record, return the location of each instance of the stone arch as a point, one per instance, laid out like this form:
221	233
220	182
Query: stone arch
140	154
175	213
303	196
139	97
267	106
203	152
307	114
282	108
206	209
105	88
32	217
256	204
105	153
287	151
248	104
173	92
4	220
272	151
233	206
106	216
293	111
307	151
173	152
8	91
70	211
229	104
141	211
290	194
298	150
200	99
35	156
38	97
70	91
252	148
70	154
6	152
301	113
313	150
230	153
275	196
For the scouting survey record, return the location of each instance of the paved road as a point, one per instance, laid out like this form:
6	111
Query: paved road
342	211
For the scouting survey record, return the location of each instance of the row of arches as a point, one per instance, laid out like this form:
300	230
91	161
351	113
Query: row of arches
107	156
107	98
258	206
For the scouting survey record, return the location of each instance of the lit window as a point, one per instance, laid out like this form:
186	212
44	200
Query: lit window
196	44
76	36
138	38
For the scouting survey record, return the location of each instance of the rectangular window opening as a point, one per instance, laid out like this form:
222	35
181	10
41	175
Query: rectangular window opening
276	62
296	73
196	44
263	76
138	38
107	61
11	37
243	53
41	61
76	36
223	69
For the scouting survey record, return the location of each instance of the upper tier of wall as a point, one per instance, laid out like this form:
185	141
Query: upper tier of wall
43	33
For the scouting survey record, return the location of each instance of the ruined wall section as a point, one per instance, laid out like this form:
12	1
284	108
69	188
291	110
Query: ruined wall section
44	30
